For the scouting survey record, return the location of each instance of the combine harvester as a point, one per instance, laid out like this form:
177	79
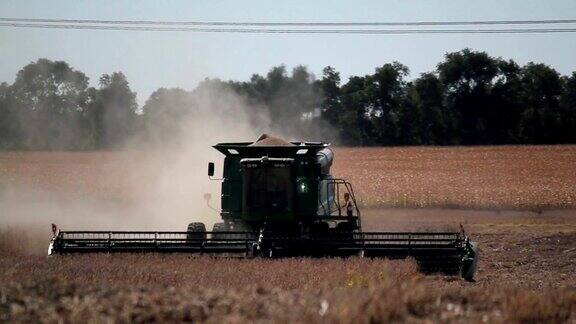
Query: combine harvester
278	199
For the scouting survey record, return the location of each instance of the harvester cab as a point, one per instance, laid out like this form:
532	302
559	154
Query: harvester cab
279	199
283	187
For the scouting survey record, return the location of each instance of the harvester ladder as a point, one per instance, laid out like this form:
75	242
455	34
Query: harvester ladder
335	184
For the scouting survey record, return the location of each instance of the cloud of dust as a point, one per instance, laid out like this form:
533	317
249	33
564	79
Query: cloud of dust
176	195
160	184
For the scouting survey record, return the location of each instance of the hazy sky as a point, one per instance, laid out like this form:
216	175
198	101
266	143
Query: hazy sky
170	59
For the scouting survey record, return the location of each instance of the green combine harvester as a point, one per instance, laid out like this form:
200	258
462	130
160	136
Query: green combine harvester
279	200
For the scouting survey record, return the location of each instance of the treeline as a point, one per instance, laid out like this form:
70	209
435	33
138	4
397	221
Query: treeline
470	99
51	106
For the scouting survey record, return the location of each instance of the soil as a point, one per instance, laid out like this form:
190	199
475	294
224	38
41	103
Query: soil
524	248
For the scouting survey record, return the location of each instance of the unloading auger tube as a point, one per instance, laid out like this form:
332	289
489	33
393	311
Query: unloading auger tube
279	200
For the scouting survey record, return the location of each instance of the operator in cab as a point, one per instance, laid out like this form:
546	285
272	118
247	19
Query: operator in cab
349	205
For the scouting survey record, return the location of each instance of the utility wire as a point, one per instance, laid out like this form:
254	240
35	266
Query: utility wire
285	24
295	31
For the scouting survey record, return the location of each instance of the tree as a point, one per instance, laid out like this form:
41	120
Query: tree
468	78
568	109
541	121
304	91
408	121
113	111
355	125
291	100
506	109
9	125
163	113
427	98
49	98
386	89
331	105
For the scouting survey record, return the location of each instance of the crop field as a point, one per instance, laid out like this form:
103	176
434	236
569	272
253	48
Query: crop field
497	177
501	177
516	202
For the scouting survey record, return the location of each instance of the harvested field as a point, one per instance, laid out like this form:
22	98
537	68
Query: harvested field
526	272
525	275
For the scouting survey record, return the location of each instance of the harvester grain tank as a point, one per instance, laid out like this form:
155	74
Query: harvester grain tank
278	199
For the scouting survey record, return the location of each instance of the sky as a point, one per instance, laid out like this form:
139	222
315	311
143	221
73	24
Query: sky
182	59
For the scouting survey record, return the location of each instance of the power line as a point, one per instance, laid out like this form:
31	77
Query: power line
285	24
295	31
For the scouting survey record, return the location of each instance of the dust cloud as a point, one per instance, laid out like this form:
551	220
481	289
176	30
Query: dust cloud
177	195
150	184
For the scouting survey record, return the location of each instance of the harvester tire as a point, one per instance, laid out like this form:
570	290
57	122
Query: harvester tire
344	227
344	231
196	231
320	229
219	227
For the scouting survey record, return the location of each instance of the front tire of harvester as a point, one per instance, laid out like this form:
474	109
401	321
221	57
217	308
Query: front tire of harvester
219	227
319	229
344	230
344	227
196	232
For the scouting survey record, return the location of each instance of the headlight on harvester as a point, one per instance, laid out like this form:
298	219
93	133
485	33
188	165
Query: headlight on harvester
302	187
